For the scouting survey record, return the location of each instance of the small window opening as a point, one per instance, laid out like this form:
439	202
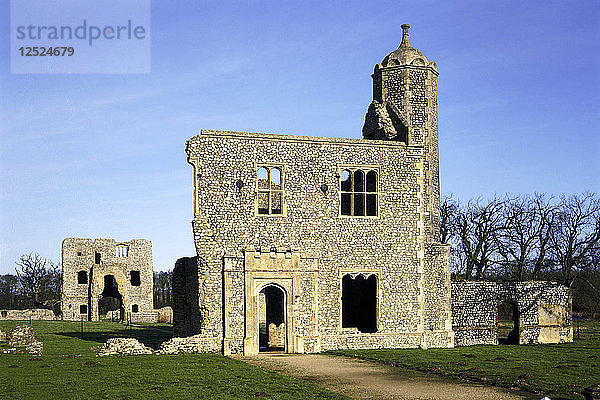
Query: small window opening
97	258
135	308
359	303
121	250
82	277
135	278
358	193
83	309
270	191
79	254
4	314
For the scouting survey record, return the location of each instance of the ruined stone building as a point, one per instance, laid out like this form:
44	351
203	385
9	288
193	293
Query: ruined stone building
339	235
307	244
103	275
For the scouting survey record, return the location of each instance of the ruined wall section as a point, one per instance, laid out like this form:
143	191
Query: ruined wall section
390	246
544	311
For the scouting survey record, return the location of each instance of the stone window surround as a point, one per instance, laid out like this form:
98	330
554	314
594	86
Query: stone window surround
365	168
269	166
121	250
366	274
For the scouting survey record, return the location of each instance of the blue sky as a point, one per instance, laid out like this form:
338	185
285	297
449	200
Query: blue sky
92	155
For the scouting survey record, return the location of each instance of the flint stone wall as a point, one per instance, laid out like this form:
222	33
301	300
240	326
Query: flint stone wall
310	247
80	255
23	315
544	311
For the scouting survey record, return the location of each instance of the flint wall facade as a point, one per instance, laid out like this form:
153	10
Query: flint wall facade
309	248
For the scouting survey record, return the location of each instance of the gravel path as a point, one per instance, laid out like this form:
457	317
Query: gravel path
364	380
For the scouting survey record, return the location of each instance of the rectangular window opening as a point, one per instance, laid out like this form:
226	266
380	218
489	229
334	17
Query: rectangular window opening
135	278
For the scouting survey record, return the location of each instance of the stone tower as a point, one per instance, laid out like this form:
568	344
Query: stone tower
404	108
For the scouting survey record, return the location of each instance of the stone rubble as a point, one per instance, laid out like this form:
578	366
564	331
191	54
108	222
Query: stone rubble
123	347
35	348
21	335
187	345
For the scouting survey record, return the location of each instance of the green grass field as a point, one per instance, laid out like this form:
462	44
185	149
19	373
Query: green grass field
69	369
555	370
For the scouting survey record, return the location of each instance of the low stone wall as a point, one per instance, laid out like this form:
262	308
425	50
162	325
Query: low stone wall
544	311
191	344
123	347
23	315
163	315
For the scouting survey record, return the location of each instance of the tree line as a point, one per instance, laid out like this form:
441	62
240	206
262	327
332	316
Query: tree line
527	237
37	283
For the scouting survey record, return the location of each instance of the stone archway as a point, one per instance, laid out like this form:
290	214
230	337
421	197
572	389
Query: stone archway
110	299
280	292
271	319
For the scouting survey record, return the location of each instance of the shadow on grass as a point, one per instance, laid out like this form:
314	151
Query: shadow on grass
150	337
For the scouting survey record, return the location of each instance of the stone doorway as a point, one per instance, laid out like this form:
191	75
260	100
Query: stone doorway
507	323
272	319
111	300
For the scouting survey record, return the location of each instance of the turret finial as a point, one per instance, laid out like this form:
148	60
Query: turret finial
405	28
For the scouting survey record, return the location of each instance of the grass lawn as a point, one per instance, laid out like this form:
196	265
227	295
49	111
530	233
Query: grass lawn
555	370
69	369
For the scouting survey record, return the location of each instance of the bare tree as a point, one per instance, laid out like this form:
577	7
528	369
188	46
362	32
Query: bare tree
448	214
477	226
39	279
576	236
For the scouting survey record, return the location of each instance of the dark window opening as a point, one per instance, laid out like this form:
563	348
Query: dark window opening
4	314
97	258
83	309
271	327
79	253
359	303
508	323
358	193
270	191
135	308
82	277
135	278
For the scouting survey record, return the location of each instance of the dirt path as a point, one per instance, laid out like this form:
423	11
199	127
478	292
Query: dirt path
364	380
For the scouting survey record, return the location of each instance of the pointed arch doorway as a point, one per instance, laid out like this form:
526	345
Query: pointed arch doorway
272	299
272	319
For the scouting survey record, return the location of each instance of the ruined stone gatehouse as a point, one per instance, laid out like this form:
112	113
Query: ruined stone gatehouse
103	275
338	236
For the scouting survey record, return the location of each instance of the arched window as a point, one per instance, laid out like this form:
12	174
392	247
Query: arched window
135	308
358	189
269	183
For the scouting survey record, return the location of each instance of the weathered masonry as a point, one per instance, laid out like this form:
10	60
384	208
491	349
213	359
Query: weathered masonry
540	312
103	275
307	244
